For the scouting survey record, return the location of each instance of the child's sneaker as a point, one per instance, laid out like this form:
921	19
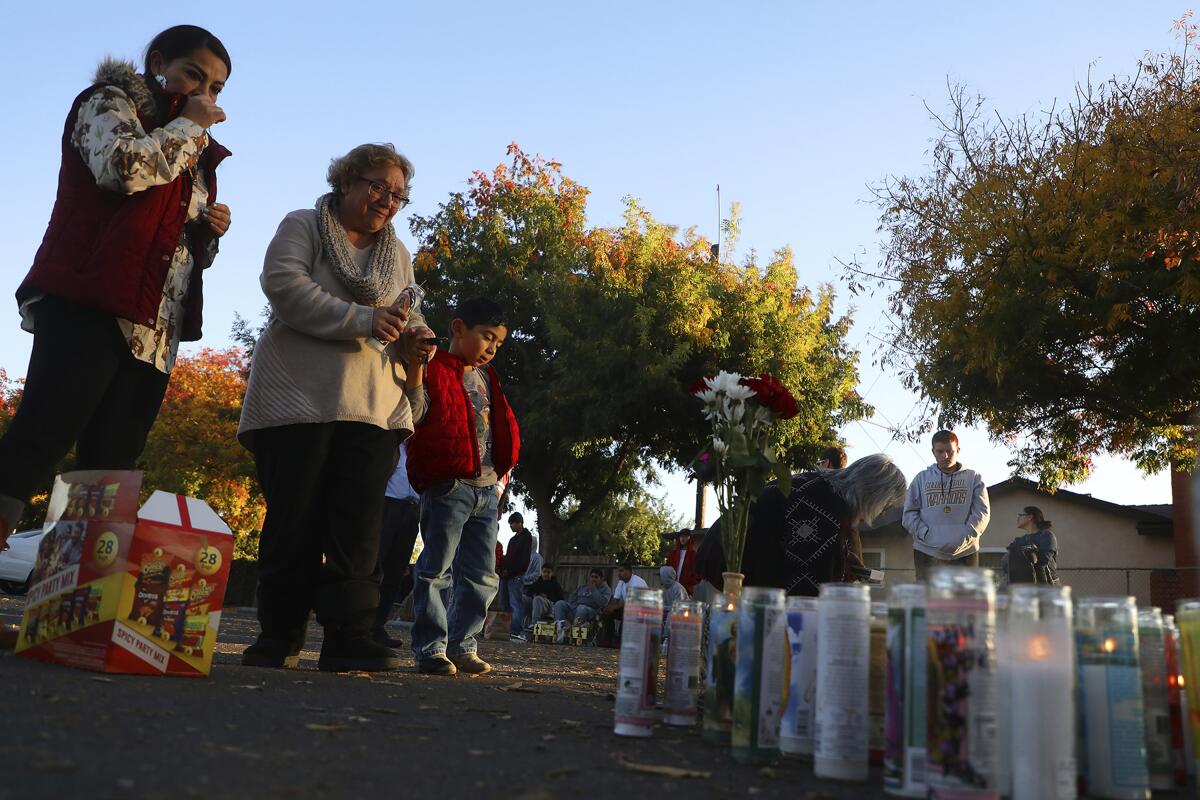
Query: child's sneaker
436	665
471	664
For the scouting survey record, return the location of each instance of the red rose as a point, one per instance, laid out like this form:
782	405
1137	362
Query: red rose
773	395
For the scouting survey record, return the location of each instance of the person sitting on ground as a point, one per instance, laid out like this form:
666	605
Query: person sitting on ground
586	602
615	610
683	560
1032	558
545	593
466	440
798	541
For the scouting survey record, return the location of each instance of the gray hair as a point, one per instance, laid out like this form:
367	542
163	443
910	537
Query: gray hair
364	157
869	485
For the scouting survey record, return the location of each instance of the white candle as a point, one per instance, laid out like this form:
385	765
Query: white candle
1041	656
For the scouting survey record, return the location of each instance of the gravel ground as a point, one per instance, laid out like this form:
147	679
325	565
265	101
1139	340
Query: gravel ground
539	726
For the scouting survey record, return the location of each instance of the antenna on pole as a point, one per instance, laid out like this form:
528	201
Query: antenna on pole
716	248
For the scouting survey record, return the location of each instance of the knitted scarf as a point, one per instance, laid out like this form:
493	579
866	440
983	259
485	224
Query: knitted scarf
371	287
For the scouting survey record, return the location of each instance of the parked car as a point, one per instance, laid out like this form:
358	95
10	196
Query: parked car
16	563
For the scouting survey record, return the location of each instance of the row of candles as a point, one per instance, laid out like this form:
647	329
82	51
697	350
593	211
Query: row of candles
956	690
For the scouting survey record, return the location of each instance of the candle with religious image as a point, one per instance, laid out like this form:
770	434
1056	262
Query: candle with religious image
410	300
961	630
795	729
1004	698
721	662
637	668
1110	680
760	678
1174	700
877	684
904	723
1041	652
684	627
1155	701
1187	619
842	708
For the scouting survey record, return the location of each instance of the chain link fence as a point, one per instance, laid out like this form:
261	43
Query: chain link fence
1151	586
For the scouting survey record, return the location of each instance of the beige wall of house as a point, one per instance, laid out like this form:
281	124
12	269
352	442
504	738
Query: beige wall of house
1092	543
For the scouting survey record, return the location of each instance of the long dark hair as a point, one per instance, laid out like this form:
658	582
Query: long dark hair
1042	523
180	40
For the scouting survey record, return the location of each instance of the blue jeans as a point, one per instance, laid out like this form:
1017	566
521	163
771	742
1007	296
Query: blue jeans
458	526
564	612
516	603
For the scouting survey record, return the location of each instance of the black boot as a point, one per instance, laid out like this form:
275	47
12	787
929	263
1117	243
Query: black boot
355	652
272	653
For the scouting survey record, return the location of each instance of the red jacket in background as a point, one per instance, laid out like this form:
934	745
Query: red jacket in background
686	574
444	447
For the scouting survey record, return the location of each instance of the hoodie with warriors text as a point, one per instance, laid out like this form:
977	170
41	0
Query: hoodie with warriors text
946	512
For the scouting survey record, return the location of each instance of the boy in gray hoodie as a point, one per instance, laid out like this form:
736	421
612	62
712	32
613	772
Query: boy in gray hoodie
946	510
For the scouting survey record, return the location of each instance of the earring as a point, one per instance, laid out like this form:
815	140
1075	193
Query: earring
162	80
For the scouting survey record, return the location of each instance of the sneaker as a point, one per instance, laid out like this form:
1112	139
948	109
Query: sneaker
436	665
471	664
355	654
272	654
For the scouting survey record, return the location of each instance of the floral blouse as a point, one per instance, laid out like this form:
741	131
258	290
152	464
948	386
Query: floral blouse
125	158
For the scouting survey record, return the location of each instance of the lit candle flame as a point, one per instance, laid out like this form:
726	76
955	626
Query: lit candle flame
1110	645
1039	648
1181	680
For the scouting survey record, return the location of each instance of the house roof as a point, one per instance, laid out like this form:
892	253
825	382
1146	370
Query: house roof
1154	519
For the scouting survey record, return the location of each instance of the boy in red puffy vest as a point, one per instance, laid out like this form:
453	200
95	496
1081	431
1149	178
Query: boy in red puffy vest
466	440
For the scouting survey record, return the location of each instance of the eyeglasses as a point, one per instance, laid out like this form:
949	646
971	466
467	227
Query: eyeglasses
376	190
1022	514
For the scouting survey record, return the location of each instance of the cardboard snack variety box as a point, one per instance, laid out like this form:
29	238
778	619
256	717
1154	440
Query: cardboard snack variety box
118	589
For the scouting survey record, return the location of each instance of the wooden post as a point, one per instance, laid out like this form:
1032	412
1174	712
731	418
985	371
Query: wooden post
701	486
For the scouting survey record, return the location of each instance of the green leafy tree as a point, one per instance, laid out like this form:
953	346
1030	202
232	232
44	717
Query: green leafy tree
1044	278
609	327
629	526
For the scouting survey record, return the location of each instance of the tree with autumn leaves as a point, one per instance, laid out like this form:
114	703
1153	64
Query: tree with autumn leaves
1044	277
608	328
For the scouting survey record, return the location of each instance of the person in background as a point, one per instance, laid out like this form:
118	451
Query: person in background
946	510
586	602
117	282
683	560
397	537
326	408
501	601
466	441
673	591
545	593
1032	557
615	610
833	458
798	541
516	562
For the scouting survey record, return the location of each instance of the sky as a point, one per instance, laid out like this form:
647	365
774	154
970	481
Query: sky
795	109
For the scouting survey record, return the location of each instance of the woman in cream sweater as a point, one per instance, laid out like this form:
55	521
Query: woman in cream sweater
325	409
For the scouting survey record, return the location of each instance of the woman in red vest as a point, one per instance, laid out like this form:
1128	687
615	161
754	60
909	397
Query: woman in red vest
116	283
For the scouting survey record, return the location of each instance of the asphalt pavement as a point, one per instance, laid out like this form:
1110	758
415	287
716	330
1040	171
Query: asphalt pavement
538	727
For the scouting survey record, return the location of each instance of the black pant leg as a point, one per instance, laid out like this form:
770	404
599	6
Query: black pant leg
397	537
290	460
77	353
360	461
116	434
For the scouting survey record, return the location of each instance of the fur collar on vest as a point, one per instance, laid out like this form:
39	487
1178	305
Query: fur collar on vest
124	76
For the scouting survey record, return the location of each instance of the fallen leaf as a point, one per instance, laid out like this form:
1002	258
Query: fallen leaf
426	708
254	686
101	679
302	683
663	770
382	710
358	674
572	723
360	719
548	737
559	772
480	752
321	726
